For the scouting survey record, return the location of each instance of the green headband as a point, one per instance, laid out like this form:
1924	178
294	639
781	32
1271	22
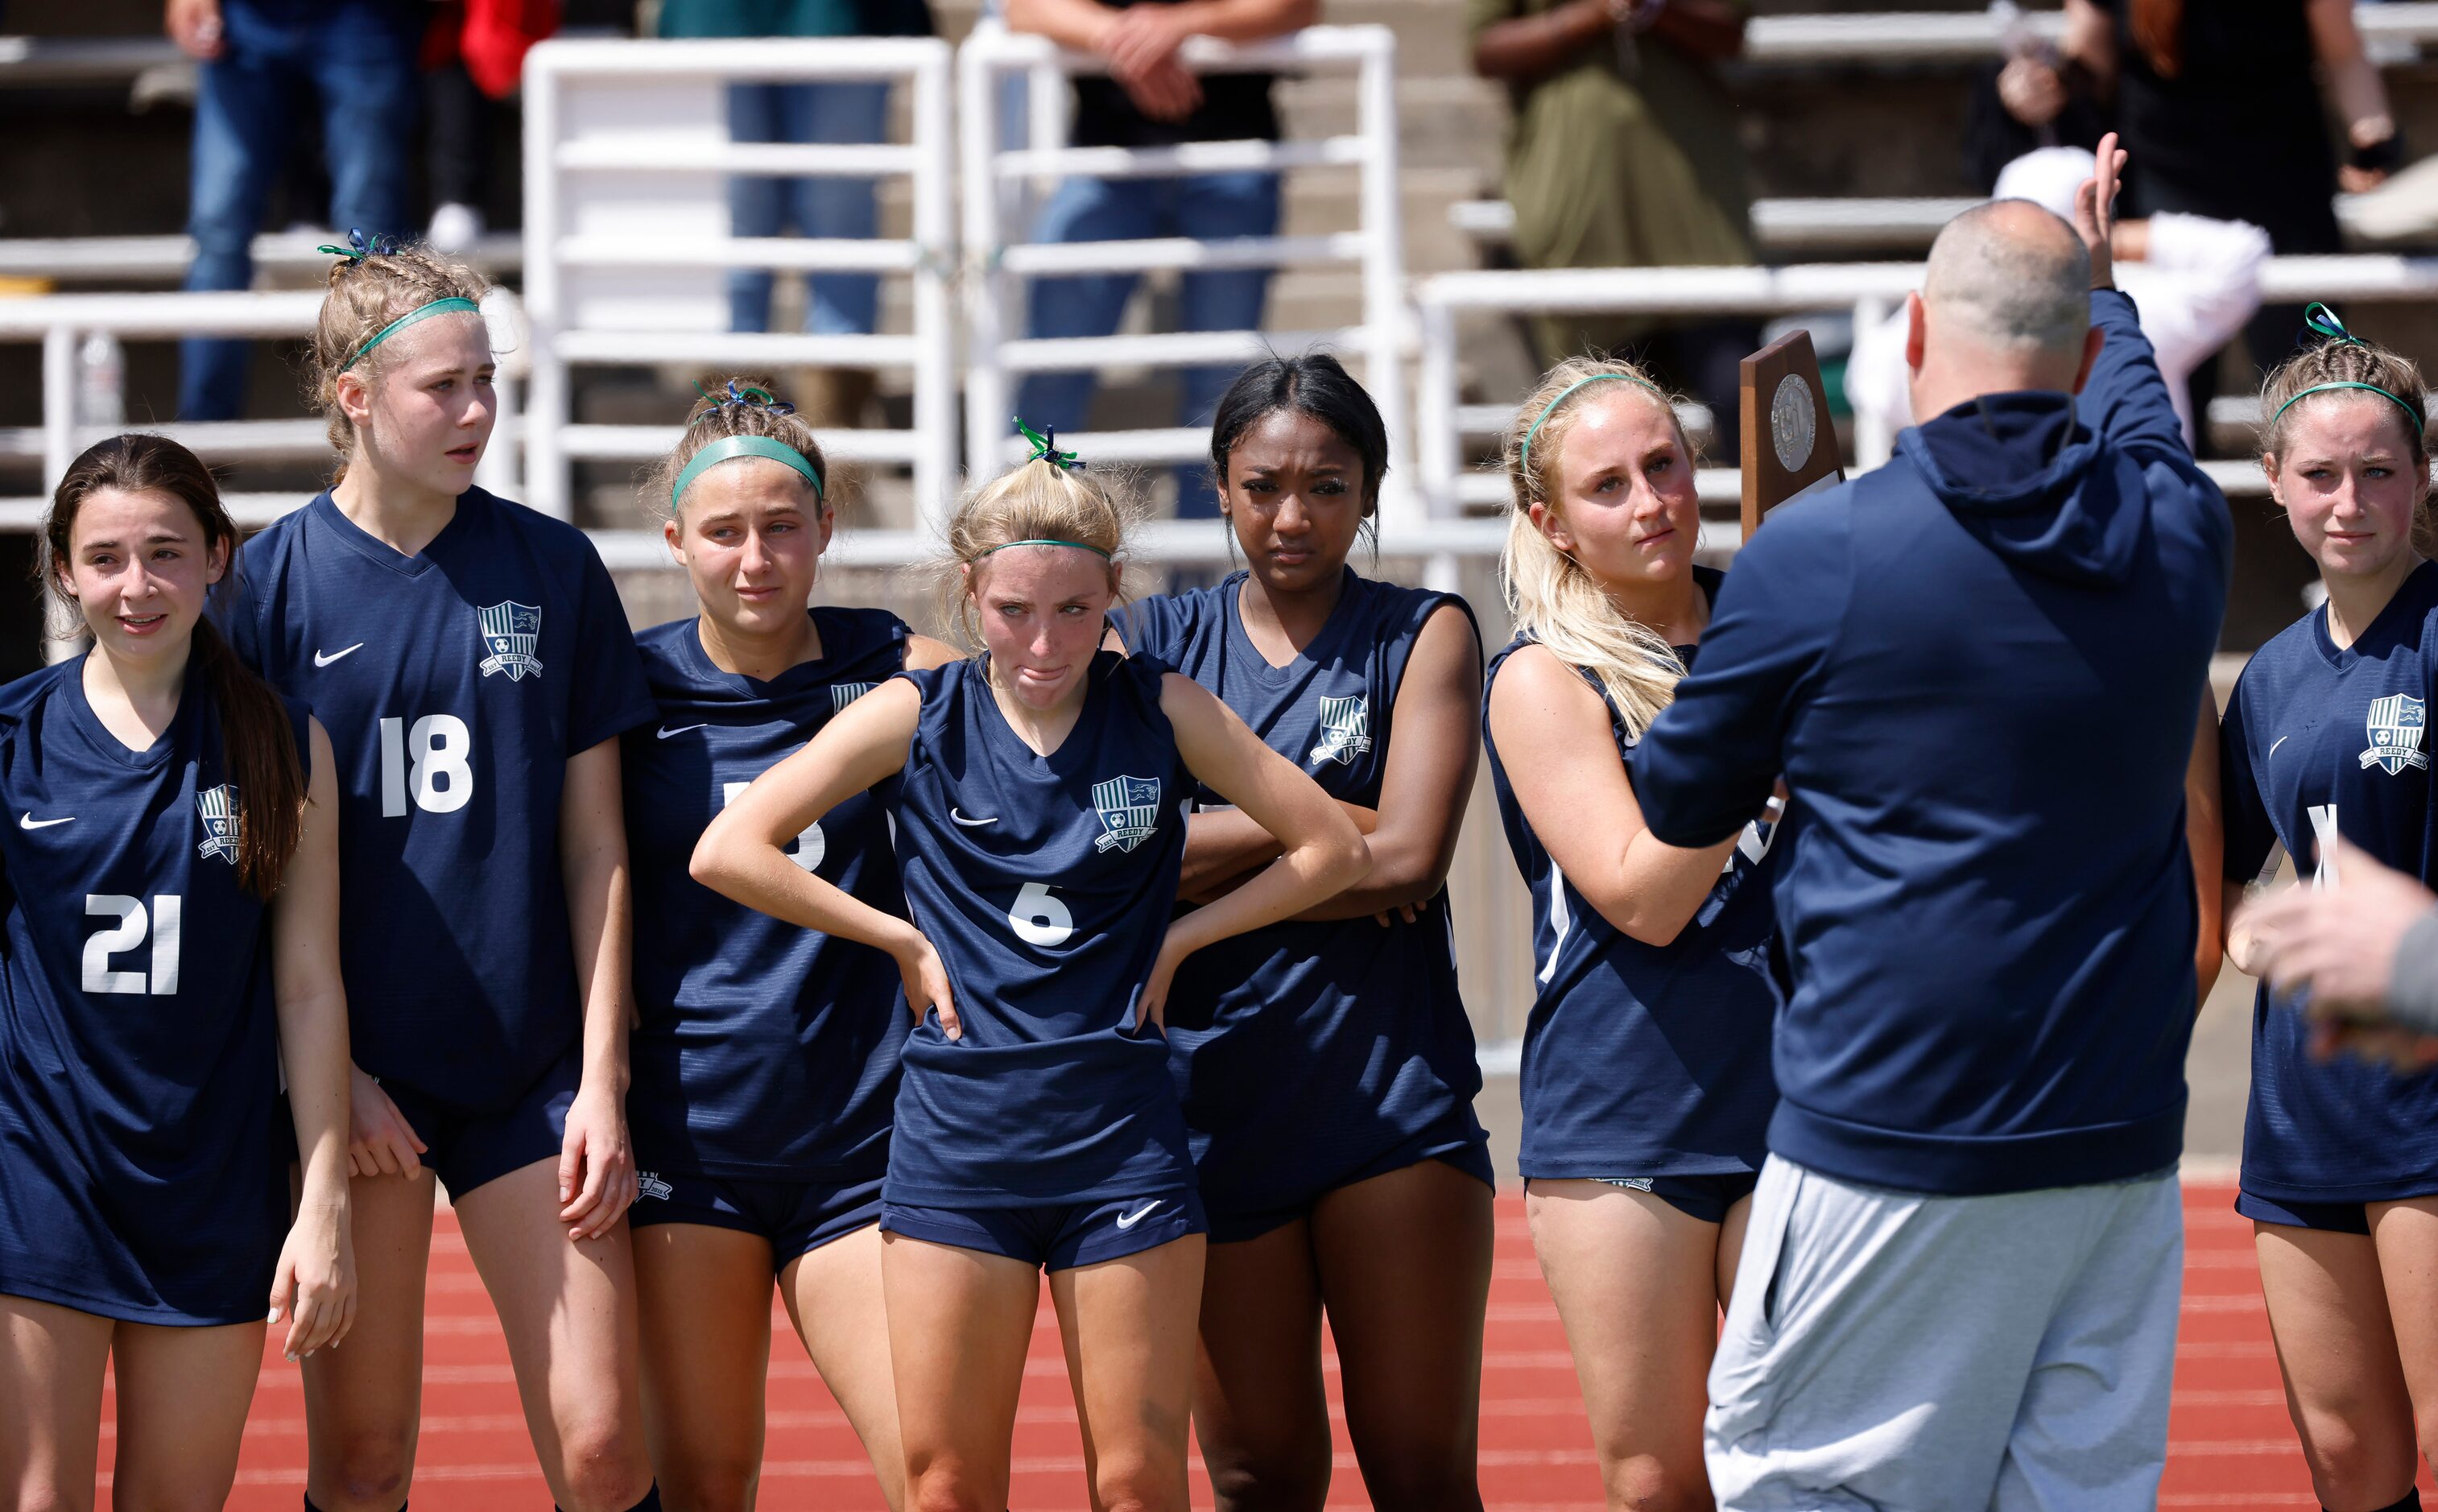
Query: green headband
450	305
1524	453
2321	319
1078	545
729	448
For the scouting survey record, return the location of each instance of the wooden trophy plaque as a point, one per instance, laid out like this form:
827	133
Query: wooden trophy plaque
1789	446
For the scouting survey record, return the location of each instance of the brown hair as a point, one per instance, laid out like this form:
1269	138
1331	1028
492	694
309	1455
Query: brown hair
732	409
366	293
258	741
1039	501
1549	594
2158	28
2341	360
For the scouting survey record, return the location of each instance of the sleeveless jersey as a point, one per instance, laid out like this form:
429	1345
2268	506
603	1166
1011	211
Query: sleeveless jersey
766	1051
144	1144
1306	1052
1643	1060
2319	741
455	684
1045	883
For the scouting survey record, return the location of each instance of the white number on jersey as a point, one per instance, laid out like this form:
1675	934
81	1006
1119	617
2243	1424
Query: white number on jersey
2324	830
810	846
434	761
1038	918
127	933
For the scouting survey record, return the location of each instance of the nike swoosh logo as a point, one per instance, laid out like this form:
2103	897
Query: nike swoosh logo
667	732
32	823
321	660
1130	1220
2272	750
971	824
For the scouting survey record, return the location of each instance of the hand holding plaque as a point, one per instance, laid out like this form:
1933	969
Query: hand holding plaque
1789	446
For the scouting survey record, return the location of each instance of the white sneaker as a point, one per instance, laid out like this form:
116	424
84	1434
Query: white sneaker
455	228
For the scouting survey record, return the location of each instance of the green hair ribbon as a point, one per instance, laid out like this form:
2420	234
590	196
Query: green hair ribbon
1081	546
728	448
2321	319
1045	449
1524	453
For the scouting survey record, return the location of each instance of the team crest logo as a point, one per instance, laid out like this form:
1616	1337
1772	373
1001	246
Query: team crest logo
2395	726
512	632
1345	729
1129	808
650	1185
843	694
216	808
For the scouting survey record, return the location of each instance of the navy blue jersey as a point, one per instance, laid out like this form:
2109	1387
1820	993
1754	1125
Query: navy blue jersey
455	684
144	1148
765	1050
1046	883
2319	741
1305	1051
1643	1060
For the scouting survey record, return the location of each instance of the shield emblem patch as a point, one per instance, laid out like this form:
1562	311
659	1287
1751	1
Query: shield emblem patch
1129	810
510	632
2396	727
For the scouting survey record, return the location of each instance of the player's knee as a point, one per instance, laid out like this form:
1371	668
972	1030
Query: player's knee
370	1469
941	1489
1425	1482
2349	1468
602	1470
1647	1482
45	1495
1138	1484
707	1481
1283	1478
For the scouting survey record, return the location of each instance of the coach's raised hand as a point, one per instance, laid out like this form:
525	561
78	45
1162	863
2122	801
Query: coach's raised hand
2094	209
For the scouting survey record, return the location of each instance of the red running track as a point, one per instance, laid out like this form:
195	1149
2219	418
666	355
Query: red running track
2230	1443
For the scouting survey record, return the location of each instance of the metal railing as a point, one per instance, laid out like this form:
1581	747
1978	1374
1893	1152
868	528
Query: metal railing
602	166
997	264
1870	289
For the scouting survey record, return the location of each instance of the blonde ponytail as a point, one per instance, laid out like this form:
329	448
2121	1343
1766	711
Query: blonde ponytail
1549	596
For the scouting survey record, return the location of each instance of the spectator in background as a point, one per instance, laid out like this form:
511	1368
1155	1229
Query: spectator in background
1151	99
473	54
2193	281
1626	154
839	113
356	61
2217	106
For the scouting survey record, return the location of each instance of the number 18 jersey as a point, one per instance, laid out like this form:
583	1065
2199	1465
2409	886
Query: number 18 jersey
455	684
1045	883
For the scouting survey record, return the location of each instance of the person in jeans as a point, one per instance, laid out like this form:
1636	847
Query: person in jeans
1150	99
1982	672
841	112
356	61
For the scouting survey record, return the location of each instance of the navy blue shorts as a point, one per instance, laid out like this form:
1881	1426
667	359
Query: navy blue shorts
797	1216
2326	1218
1457	1142
1707	1198
1058	1237
466	1147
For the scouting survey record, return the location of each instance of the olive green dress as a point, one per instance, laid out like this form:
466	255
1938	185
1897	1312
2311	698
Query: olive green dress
1628	157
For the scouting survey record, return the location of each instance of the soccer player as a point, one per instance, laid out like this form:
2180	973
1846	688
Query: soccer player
2324	735
170	876
1645	1079
1326	1062
474	668
766	1061
1039	793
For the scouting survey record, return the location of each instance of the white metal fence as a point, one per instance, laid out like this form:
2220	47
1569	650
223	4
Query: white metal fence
626	235
998	262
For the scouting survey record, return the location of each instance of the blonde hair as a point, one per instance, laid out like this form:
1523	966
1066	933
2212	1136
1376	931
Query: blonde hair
2351	359
1037	502
366	294
730	410
1549	596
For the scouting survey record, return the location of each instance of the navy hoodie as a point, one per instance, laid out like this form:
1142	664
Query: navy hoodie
1980	670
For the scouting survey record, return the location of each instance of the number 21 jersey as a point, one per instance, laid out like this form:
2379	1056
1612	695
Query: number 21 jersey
455	684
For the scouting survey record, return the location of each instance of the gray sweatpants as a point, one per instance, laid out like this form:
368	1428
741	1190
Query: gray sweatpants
1908	1353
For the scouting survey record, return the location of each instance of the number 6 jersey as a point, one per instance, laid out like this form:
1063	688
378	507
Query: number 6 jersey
455	685
1046	885
144	1148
